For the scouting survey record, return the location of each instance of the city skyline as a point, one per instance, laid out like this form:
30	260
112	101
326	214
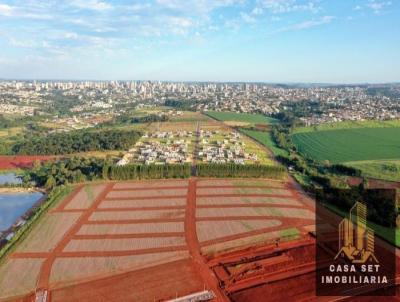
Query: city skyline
268	41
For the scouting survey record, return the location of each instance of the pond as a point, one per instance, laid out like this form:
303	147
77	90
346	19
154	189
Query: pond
14	205
10	178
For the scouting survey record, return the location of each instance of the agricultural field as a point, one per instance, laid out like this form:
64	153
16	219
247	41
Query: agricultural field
380	169
349	125
350	145
265	139
190	116
241	119
105	237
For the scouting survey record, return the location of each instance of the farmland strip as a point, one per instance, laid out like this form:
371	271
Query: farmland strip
129	221
246	195
246	234
126	236
102	253
140	208
248	205
44	277
241	187
283	219
150	188
145	197
194	245
68	199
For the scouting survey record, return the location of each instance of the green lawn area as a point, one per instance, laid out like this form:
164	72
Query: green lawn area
349	145
349	125
265	139
381	231
242	117
380	169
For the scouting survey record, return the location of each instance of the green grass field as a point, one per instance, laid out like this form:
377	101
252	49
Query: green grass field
380	169
349	125
253	119
350	145
265	139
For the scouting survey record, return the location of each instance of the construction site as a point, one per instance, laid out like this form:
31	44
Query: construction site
171	240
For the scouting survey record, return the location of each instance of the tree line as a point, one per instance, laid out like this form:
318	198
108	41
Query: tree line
151	118
134	171
77	141
65	171
233	170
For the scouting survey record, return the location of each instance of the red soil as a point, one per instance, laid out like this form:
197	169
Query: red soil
157	283
20	161
68	199
382	184
183	277
43	282
354	181
194	245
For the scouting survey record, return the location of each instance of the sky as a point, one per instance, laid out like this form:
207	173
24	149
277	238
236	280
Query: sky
285	41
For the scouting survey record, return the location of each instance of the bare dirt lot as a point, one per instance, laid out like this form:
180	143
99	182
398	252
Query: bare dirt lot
126	242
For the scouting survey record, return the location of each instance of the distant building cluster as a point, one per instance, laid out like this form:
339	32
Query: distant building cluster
223	148
336	103
160	147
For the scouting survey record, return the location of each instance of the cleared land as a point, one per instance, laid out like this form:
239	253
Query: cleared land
16	162
52	228
150	184
241	117
105	239
85	197
347	145
142	203
242	190
135	228
218	229
240	183
175	278
265	139
18	276
136	215
146	193
74	269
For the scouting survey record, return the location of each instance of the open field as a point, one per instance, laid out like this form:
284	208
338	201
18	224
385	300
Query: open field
265	139
156	283
219	236
135	228
18	276
21	161
190	116
74	269
53	228
10	132
349	125
247	118
267	183
243	190
85	197
106	231
380	169
146	193
348	145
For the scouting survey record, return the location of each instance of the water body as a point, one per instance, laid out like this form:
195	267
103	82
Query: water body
13	205
10	178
